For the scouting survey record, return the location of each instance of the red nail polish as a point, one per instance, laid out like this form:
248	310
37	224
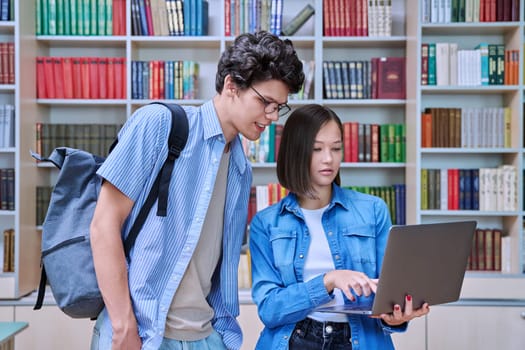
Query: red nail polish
397	308
409	297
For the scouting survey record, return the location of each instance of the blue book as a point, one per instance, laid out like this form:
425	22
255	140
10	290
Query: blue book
484	54
143	18
186	11
202	18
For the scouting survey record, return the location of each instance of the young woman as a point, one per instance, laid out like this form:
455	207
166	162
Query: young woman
318	246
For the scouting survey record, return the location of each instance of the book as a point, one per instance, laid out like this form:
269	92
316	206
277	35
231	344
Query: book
391	78
298	21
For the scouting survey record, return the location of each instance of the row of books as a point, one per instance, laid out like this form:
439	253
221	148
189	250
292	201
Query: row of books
241	16
266	148
468	127
7	189
43	196
394	197
365	142
486	253
8	251
7	63
485	189
262	196
81	77
7	10
379	78
357	18
164	79
169	17
487	64
80	17
447	11
94	138
7	126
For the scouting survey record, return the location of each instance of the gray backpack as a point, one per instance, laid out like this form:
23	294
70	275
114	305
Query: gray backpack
67	261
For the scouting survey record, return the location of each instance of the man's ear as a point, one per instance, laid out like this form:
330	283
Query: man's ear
230	88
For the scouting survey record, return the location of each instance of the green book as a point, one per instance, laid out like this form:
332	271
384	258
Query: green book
73	16
67	17
299	20
52	17
93	16
432	64
500	64
86	14
38	17
60	17
109	17
493	53
101	16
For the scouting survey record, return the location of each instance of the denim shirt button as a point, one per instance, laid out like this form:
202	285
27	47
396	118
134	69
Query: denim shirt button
337	257
356	342
330	233
301	256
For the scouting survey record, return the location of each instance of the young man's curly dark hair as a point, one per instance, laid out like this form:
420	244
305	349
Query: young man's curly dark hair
260	57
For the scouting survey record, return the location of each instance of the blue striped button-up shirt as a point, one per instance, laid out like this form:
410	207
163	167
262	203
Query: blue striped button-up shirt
165	245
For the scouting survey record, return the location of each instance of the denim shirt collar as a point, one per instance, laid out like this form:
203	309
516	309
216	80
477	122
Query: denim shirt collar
291	204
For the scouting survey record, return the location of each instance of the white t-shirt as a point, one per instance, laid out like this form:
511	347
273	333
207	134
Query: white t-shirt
319	261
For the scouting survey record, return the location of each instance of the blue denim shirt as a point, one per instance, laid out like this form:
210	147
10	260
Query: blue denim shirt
356	226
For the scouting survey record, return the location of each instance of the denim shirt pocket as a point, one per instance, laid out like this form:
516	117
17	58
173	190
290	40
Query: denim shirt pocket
360	242
283	244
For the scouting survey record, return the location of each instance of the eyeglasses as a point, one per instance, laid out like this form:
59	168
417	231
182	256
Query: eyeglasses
271	107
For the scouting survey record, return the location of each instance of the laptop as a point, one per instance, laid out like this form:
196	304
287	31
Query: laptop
426	261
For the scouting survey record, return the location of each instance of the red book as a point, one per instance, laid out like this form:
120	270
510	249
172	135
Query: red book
4	62
49	77
426	130
347	141
94	77
354	139
102	77
227	18
374	130
84	69
77	77
358	17
40	78
424	64
11	63
116	17
161	79
67	73
119	78
353	18
278	135
110	65
59	77
149	18
492	10
152	80
482	10
124	86
391	78
364	14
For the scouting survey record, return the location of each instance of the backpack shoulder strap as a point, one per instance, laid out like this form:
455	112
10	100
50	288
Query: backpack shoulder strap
176	142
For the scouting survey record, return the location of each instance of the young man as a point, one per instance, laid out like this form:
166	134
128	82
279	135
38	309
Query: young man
180	289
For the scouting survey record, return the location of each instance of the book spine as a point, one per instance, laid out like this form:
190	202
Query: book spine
299	20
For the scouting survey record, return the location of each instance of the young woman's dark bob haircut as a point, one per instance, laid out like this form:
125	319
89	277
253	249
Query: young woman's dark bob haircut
296	147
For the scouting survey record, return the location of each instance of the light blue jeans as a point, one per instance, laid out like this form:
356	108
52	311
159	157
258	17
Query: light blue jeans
211	342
